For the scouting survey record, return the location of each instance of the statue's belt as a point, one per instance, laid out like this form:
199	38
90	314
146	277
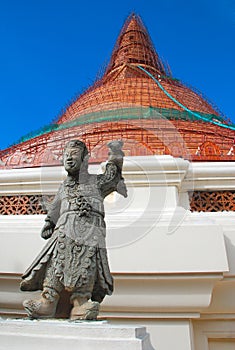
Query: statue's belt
91	212
80	205
96	217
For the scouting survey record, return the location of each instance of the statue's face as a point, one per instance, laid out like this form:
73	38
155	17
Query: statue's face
72	159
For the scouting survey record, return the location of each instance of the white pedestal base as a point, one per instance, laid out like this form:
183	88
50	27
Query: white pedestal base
61	335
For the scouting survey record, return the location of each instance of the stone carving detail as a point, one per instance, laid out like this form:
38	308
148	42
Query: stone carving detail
209	148
213	201
24	204
74	260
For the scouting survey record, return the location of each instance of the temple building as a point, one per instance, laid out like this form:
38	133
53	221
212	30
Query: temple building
172	242
137	99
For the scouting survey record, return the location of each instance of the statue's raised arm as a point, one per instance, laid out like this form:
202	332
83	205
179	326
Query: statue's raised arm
112	180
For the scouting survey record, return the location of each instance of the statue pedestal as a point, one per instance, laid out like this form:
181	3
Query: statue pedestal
61	335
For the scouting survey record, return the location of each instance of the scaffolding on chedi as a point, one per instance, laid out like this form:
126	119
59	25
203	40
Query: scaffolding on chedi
138	100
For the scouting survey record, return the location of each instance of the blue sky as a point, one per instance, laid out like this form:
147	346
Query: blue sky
53	49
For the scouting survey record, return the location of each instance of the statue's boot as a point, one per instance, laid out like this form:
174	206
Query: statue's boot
87	310
44	307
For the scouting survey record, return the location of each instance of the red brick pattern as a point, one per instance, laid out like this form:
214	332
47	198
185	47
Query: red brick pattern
141	137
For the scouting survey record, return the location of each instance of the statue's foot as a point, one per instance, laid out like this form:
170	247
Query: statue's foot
41	308
87	311
25	285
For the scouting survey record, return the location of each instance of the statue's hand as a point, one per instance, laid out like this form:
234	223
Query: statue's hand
115	152
115	146
47	230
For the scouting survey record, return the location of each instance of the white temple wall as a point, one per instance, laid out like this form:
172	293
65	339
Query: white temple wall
174	270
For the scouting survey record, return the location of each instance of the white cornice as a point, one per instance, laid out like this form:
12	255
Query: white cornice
141	171
210	176
155	170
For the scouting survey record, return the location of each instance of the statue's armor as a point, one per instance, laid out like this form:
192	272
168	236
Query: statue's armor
76	257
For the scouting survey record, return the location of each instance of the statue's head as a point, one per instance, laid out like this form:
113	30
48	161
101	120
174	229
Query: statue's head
75	157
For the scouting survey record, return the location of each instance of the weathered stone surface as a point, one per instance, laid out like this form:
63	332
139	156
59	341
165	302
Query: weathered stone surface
75	258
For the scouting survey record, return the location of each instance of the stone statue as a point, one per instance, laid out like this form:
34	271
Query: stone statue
75	257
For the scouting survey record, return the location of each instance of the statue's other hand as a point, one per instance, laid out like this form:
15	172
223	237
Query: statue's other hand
47	230
115	146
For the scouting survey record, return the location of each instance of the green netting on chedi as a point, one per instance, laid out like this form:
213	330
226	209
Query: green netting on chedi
131	113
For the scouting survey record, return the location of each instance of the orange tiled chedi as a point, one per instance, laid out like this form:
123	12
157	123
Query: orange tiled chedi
136	100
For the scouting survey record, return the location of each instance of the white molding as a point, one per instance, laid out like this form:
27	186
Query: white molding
139	171
213	330
144	239
148	295
59	335
210	176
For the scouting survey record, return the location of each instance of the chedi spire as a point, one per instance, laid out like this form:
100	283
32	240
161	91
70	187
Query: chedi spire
134	47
